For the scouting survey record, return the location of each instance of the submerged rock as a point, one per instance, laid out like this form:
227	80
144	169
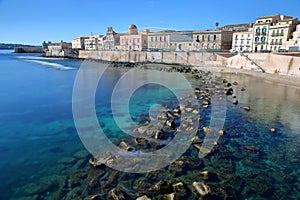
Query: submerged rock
116	194
247	108
172	196
273	130
235	102
201	189
94	197
143	198
163	187
125	146
222	132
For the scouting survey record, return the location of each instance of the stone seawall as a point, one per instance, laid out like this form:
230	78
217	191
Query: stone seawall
271	63
28	50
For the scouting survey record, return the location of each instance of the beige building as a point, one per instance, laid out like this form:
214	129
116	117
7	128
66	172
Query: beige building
181	41
58	49
78	43
112	40
212	40
294	44
242	41
272	33
159	40
281	33
134	41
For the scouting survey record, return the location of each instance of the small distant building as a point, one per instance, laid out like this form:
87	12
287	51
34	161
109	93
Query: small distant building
242	41
236	27
78	43
59	49
212	40
112	40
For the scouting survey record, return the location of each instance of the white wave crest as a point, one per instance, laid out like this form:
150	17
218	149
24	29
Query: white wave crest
38	58
53	65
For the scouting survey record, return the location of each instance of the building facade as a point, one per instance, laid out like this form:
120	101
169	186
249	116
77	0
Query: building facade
134	41
242	41
159	40
212	40
181	41
273	33
281	33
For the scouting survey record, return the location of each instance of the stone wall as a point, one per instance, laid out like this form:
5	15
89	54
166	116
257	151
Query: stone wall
28	50
271	63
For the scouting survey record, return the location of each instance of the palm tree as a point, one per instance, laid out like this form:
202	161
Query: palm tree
217	25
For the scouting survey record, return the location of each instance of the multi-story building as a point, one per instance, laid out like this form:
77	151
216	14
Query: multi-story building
112	40
181	41
281	33
159	40
58	49
242	41
272	33
294	44
134	41
212	40
78	43
261	31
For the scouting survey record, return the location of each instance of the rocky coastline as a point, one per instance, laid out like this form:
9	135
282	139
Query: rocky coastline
213	177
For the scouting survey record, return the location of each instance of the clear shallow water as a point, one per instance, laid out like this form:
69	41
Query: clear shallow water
39	140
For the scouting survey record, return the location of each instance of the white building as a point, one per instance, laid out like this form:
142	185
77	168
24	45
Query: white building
273	33
242	41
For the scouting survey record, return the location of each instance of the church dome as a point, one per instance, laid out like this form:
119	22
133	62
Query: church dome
132	29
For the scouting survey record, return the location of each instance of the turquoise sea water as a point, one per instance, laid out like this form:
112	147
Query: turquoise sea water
41	153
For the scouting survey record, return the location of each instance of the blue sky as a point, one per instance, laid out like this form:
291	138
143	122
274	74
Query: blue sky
33	21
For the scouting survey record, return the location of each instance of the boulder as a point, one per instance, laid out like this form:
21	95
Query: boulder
143	198
247	108
116	194
273	130
125	146
235	102
201	189
163	187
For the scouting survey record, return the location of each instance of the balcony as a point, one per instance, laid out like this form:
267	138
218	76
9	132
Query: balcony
260	42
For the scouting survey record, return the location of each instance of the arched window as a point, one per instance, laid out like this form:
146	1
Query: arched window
264	30
215	37
258	30
208	38
263	39
256	39
203	38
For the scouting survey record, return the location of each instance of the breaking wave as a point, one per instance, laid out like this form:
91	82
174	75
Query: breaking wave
53	65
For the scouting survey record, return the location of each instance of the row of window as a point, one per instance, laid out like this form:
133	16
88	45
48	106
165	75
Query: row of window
263	30
263	39
242	42
236	36
208	38
130	41
158	38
